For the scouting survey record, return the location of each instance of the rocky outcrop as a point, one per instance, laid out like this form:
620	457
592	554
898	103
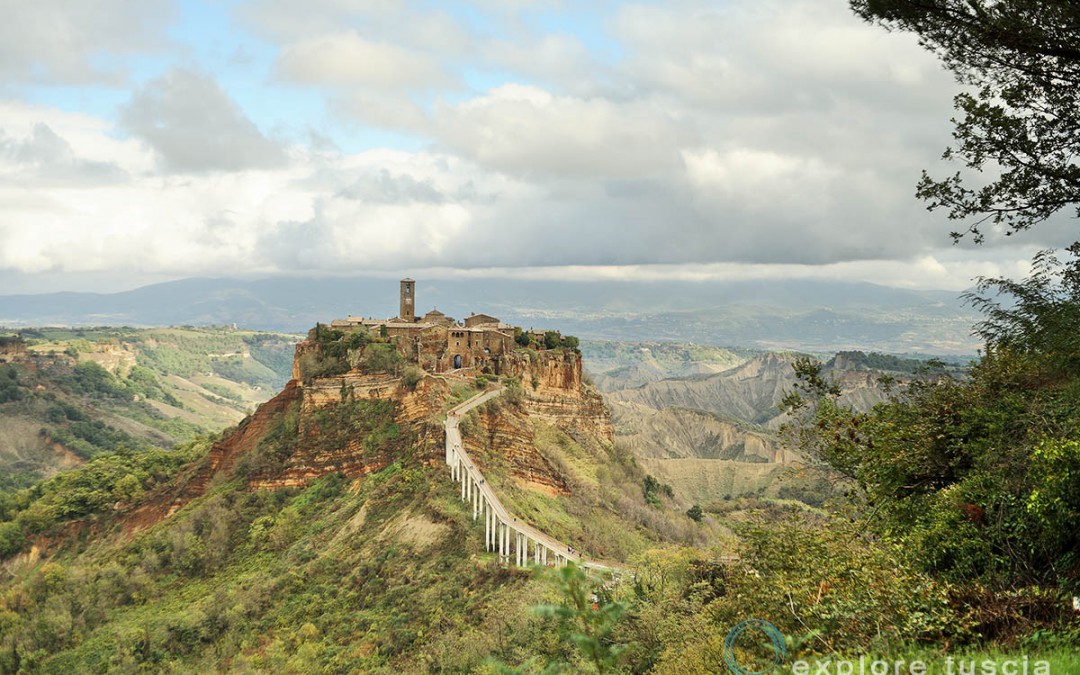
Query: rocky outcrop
321	450
505	434
317	426
679	433
556	393
413	404
552	393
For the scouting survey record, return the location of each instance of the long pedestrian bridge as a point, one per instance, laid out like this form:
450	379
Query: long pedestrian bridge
504	532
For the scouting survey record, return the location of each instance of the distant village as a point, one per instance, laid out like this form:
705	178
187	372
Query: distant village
440	344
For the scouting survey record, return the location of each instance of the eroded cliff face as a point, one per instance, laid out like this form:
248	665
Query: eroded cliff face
552	394
220	461
359	423
555	393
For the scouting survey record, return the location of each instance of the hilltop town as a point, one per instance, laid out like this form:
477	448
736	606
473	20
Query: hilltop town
439	344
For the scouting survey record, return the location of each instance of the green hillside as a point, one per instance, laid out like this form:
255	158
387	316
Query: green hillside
67	395
386	572
951	536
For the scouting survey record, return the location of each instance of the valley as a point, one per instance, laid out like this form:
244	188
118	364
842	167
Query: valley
72	394
709	421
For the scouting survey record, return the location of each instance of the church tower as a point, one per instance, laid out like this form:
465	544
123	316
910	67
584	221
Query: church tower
408	298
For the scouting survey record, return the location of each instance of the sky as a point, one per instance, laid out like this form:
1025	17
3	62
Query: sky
685	139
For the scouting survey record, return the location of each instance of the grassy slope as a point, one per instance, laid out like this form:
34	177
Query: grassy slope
387	574
162	386
605	514
384	575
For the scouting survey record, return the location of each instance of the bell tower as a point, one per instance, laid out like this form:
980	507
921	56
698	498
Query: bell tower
408	300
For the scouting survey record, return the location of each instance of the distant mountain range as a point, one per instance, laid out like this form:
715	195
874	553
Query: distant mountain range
809	315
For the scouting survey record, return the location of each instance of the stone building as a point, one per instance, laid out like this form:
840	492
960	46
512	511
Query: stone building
436	341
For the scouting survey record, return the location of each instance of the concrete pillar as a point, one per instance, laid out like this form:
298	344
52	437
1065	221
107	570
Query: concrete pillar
487	530
476	504
463	483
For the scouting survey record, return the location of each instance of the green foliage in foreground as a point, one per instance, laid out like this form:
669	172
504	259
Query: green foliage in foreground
979	479
310	580
971	486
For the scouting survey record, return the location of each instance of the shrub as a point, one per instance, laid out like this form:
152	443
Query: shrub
694	513
382	358
11	539
412	377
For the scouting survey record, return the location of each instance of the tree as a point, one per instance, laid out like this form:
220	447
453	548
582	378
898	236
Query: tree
587	619
521	338
978	477
1020	63
694	513
1042	314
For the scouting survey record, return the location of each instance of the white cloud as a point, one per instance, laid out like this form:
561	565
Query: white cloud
59	40
348	59
742	138
527	130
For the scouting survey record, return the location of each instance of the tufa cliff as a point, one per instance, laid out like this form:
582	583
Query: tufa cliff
368	413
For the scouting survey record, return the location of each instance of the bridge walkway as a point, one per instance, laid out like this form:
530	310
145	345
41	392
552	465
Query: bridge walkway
504	532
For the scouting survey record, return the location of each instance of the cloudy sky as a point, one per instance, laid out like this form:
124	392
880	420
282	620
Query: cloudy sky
692	139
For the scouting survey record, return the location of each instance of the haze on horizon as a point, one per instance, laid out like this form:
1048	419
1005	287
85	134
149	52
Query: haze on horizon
685	139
